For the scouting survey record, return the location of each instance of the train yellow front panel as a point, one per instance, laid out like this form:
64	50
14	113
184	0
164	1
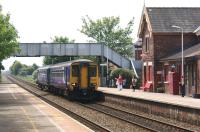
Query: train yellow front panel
84	77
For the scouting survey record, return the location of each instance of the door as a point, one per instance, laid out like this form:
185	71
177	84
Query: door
84	76
198	75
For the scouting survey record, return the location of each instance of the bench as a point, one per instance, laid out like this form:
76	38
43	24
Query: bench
147	87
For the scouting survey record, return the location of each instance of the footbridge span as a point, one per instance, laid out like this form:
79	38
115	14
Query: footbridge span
73	49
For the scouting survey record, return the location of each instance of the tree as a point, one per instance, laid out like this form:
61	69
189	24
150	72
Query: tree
21	69
1	67
107	30
56	59
15	68
34	66
34	75
8	38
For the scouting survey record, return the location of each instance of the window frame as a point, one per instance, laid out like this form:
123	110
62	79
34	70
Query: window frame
146	44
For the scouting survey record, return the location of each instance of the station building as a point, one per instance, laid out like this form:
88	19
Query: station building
161	49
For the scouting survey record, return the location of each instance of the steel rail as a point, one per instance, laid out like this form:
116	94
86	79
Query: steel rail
133	115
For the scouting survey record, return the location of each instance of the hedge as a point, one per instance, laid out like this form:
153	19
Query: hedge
126	75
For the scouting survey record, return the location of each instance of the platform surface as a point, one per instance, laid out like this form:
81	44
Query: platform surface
21	111
157	97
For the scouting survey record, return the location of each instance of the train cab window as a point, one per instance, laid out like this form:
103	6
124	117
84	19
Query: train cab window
75	70
92	71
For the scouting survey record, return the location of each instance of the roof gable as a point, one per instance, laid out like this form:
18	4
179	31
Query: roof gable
144	20
162	18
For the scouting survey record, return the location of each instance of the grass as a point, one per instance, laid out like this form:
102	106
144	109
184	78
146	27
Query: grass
27	78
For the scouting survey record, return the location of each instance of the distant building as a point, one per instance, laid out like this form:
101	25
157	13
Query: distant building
161	48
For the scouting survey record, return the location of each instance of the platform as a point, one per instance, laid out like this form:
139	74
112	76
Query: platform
21	111
156	97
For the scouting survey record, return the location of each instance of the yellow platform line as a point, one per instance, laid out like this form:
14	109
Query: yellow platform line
30	120
12	94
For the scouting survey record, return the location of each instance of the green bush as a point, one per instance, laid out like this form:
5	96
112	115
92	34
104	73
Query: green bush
34	75
126	75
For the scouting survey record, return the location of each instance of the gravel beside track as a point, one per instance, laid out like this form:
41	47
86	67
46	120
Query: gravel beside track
159	118
143	121
103	120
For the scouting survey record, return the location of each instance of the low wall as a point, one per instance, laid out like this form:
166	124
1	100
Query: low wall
174	112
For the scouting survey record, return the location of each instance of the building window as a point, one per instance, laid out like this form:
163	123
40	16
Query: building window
145	74
166	70
146	44
193	75
149	73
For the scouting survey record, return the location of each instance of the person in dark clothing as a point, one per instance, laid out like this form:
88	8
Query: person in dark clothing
182	87
133	83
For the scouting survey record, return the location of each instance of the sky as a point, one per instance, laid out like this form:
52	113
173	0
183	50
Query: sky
41	20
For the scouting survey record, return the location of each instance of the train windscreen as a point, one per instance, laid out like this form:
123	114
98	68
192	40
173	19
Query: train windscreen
75	70
92	71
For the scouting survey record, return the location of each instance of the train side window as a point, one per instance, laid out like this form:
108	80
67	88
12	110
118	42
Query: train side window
92	71
75	70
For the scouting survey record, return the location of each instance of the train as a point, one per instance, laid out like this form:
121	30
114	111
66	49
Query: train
77	79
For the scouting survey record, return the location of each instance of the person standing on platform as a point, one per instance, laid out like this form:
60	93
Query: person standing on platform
182	87
133	84
119	82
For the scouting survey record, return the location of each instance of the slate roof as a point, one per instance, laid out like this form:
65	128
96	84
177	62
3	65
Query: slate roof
192	51
162	18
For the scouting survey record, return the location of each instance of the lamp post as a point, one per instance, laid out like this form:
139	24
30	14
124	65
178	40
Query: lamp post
107	76
182	64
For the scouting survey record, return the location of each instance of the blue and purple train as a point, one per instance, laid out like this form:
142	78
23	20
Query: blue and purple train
78	78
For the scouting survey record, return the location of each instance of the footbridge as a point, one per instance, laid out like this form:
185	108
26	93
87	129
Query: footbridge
73	49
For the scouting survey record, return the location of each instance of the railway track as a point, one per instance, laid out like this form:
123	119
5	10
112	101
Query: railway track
146	123
135	119
90	124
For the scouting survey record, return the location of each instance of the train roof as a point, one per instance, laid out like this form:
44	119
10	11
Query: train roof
64	63
43	68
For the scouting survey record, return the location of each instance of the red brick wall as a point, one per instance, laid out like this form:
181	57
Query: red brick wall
160	46
138	53
149	55
166	45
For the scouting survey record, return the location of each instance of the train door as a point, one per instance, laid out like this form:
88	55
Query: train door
48	76
84	75
75	74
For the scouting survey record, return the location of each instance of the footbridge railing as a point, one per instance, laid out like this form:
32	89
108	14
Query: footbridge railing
73	49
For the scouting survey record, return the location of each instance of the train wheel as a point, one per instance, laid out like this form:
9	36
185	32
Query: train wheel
62	92
69	95
50	89
54	90
42	87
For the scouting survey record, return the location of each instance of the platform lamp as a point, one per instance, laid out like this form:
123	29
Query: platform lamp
182	63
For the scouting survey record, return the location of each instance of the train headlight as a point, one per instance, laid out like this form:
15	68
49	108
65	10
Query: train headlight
93	84
74	84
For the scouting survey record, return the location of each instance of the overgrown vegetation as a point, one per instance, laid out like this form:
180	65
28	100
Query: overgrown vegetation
28	72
